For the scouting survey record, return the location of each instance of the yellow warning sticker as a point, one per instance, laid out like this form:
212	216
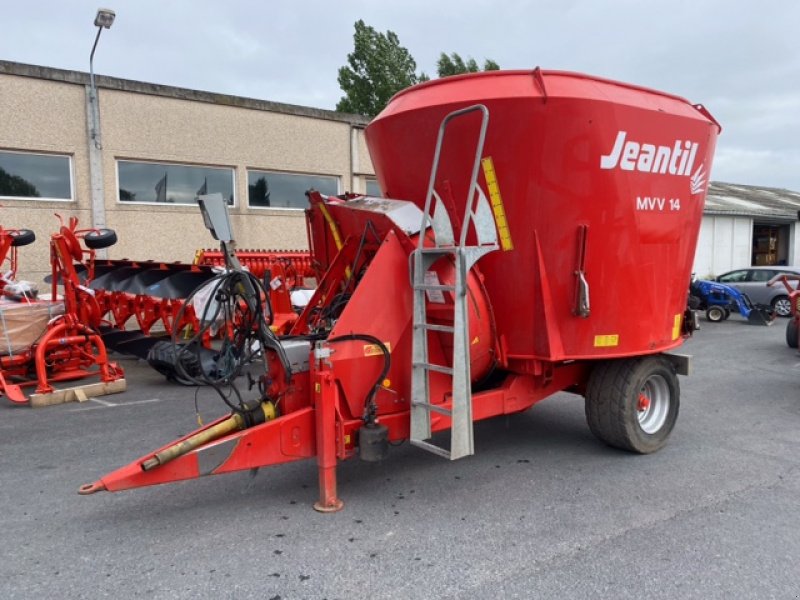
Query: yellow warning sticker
374	349
676	327
506	243
606	341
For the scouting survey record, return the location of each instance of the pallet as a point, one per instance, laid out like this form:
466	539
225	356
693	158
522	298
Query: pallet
80	393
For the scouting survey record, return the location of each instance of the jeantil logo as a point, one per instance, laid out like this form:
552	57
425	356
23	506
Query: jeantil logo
629	155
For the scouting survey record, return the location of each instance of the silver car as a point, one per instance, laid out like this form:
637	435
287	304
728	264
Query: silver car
753	282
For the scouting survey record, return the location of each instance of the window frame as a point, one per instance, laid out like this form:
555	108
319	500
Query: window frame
249	170
70	170
120	202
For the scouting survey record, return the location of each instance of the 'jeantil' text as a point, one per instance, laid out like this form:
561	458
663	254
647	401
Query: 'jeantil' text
629	155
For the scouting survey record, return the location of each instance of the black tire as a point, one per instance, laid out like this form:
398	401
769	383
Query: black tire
22	237
615	396
727	314
715	313
163	356
782	306
791	333
101	238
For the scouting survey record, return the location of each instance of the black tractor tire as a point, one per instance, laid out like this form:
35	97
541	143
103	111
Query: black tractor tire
782	306
727	314
22	237
163	356
715	313
632	403
102	238
791	333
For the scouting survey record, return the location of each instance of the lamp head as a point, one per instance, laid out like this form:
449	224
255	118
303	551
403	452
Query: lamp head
104	18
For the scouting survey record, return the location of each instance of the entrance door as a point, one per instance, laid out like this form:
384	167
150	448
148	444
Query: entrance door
770	244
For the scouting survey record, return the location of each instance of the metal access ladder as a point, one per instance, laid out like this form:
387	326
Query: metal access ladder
478	216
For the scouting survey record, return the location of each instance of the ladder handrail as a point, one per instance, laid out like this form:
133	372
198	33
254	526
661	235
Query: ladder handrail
426	216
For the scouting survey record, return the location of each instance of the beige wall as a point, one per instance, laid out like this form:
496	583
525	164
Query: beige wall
43	116
50	116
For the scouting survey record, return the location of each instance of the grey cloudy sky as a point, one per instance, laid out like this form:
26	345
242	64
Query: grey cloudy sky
740	59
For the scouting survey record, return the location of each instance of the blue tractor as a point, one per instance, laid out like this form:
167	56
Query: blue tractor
719	300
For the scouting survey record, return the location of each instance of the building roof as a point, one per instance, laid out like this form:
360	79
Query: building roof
154	89
731	199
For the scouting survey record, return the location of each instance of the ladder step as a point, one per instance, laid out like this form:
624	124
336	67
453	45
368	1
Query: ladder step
431	448
432	367
437	287
435	408
430	327
439	250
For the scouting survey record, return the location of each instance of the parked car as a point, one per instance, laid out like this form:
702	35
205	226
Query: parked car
753	282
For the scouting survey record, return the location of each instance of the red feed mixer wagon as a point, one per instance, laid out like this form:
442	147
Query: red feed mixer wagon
537	236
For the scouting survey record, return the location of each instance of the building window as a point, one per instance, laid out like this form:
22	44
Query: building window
147	182
267	189
373	189
37	176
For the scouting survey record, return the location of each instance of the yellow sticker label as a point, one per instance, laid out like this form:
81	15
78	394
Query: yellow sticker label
503	232
606	341
375	350
676	327
317	388
347	439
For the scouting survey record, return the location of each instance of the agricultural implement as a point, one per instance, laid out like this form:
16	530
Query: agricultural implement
720	300
793	325
448	302
10	240
66	346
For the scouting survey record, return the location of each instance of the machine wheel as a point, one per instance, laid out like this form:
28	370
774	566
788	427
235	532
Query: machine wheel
632	404
782	306
102	238
163	356
715	314
791	333
22	237
727	314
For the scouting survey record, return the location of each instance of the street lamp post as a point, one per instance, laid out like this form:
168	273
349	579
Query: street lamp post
103	20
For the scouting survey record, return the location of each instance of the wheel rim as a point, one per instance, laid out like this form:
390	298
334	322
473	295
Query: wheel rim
783	307
653	404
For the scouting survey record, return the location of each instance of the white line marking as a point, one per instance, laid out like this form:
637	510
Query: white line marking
107	404
103	402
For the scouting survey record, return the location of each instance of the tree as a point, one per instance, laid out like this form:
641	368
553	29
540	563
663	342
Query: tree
259	192
455	65
378	68
14	185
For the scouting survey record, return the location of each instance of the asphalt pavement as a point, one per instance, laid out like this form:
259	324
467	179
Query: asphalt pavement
542	510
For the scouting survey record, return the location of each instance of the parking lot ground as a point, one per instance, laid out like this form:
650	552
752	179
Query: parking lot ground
542	510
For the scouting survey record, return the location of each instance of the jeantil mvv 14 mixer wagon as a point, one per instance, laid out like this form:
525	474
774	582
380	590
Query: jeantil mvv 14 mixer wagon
537	235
